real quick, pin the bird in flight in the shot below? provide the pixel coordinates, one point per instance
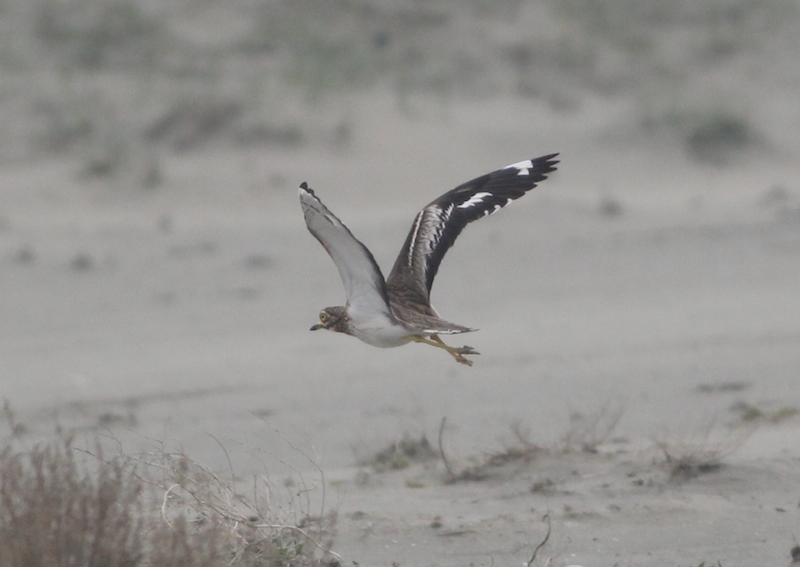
(397, 310)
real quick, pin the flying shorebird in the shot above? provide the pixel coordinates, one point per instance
(395, 311)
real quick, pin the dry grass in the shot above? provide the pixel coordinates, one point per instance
(687, 459)
(521, 452)
(587, 432)
(251, 532)
(750, 413)
(399, 455)
(54, 512)
(65, 507)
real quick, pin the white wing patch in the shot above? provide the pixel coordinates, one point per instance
(524, 167)
(496, 208)
(475, 200)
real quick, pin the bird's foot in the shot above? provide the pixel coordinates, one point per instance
(458, 354)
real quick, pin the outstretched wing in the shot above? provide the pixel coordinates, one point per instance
(437, 226)
(363, 282)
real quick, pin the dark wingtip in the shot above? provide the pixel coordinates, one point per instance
(548, 161)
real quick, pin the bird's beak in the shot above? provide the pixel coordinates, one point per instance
(316, 327)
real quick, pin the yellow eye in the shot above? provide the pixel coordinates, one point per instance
(323, 317)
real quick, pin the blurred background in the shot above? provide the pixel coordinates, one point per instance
(155, 261)
(117, 86)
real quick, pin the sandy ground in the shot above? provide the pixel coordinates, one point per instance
(634, 284)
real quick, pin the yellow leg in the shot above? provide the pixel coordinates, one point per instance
(457, 353)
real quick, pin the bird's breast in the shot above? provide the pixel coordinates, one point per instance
(379, 329)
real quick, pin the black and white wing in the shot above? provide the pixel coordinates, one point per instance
(363, 282)
(437, 226)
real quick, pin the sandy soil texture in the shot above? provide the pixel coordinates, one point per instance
(639, 316)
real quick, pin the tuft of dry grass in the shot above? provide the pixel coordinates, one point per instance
(399, 455)
(522, 452)
(587, 432)
(251, 531)
(689, 459)
(66, 507)
(54, 512)
(750, 413)
(692, 464)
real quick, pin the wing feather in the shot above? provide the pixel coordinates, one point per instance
(364, 284)
(437, 226)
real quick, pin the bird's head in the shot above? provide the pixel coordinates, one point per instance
(333, 319)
